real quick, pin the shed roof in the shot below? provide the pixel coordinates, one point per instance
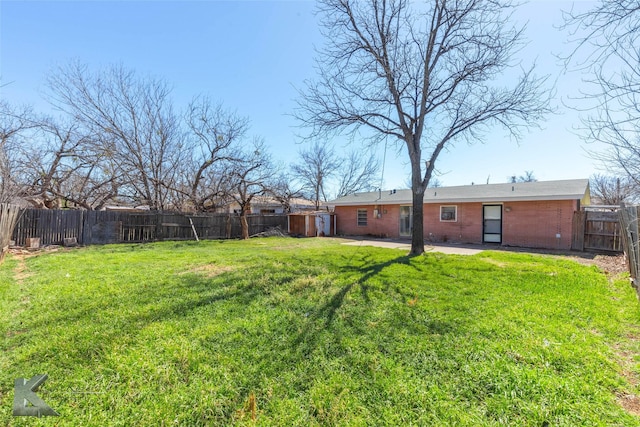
(573, 189)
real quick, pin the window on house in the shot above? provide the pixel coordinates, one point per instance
(267, 211)
(448, 213)
(362, 217)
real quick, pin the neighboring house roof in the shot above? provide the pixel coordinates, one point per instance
(574, 189)
(126, 208)
(268, 202)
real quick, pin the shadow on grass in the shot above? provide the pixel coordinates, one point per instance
(359, 273)
(118, 319)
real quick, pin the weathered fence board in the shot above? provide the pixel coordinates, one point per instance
(577, 233)
(51, 226)
(602, 232)
(101, 227)
(596, 231)
(631, 240)
(9, 215)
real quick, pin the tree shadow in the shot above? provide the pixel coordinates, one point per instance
(176, 299)
(322, 319)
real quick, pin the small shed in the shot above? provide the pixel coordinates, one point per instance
(312, 224)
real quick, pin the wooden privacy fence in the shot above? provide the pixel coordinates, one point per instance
(8, 218)
(596, 231)
(631, 240)
(52, 227)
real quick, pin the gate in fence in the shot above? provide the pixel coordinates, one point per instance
(52, 227)
(597, 229)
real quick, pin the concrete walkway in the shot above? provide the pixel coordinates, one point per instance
(406, 245)
(470, 249)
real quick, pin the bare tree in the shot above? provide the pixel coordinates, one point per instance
(610, 190)
(422, 74)
(318, 164)
(14, 123)
(357, 173)
(67, 168)
(606, 52)
(324, 174)
(48, 163)
(212, 140)
(284, 189)
(527, 177)
(249, 176)
(134, 122)
(435, 183)
(14, 120)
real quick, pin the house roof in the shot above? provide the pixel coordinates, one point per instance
(574, 189)
(272, 201)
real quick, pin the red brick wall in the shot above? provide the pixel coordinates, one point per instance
(526, 224)
(467, 228)
(536, 224)
(387, 224)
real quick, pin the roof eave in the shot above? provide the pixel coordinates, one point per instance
(459, 200)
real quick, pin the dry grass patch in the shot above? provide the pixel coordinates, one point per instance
(630, 402)
(495, 262)
(209, 270)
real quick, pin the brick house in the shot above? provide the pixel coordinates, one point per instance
(530, 214)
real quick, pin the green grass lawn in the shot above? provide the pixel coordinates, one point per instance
(303, 332)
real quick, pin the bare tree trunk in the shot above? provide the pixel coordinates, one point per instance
(244, 225)
(417, 227)
(229, 226)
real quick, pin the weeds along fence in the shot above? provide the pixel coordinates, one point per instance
(52, 227)
(631, 241)
(8, 217)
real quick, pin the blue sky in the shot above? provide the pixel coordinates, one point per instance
(252, 55)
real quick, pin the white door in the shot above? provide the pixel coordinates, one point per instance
(323, 225)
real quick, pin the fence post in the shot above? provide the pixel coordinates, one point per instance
(81, 227)
(158, 219)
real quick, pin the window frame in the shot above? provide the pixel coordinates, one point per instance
(455, 213)
(359, 219)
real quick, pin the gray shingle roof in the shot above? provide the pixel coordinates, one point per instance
(573, 189)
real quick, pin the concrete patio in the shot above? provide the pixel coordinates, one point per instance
(428, 247)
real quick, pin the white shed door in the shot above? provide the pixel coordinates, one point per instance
(323, 225)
